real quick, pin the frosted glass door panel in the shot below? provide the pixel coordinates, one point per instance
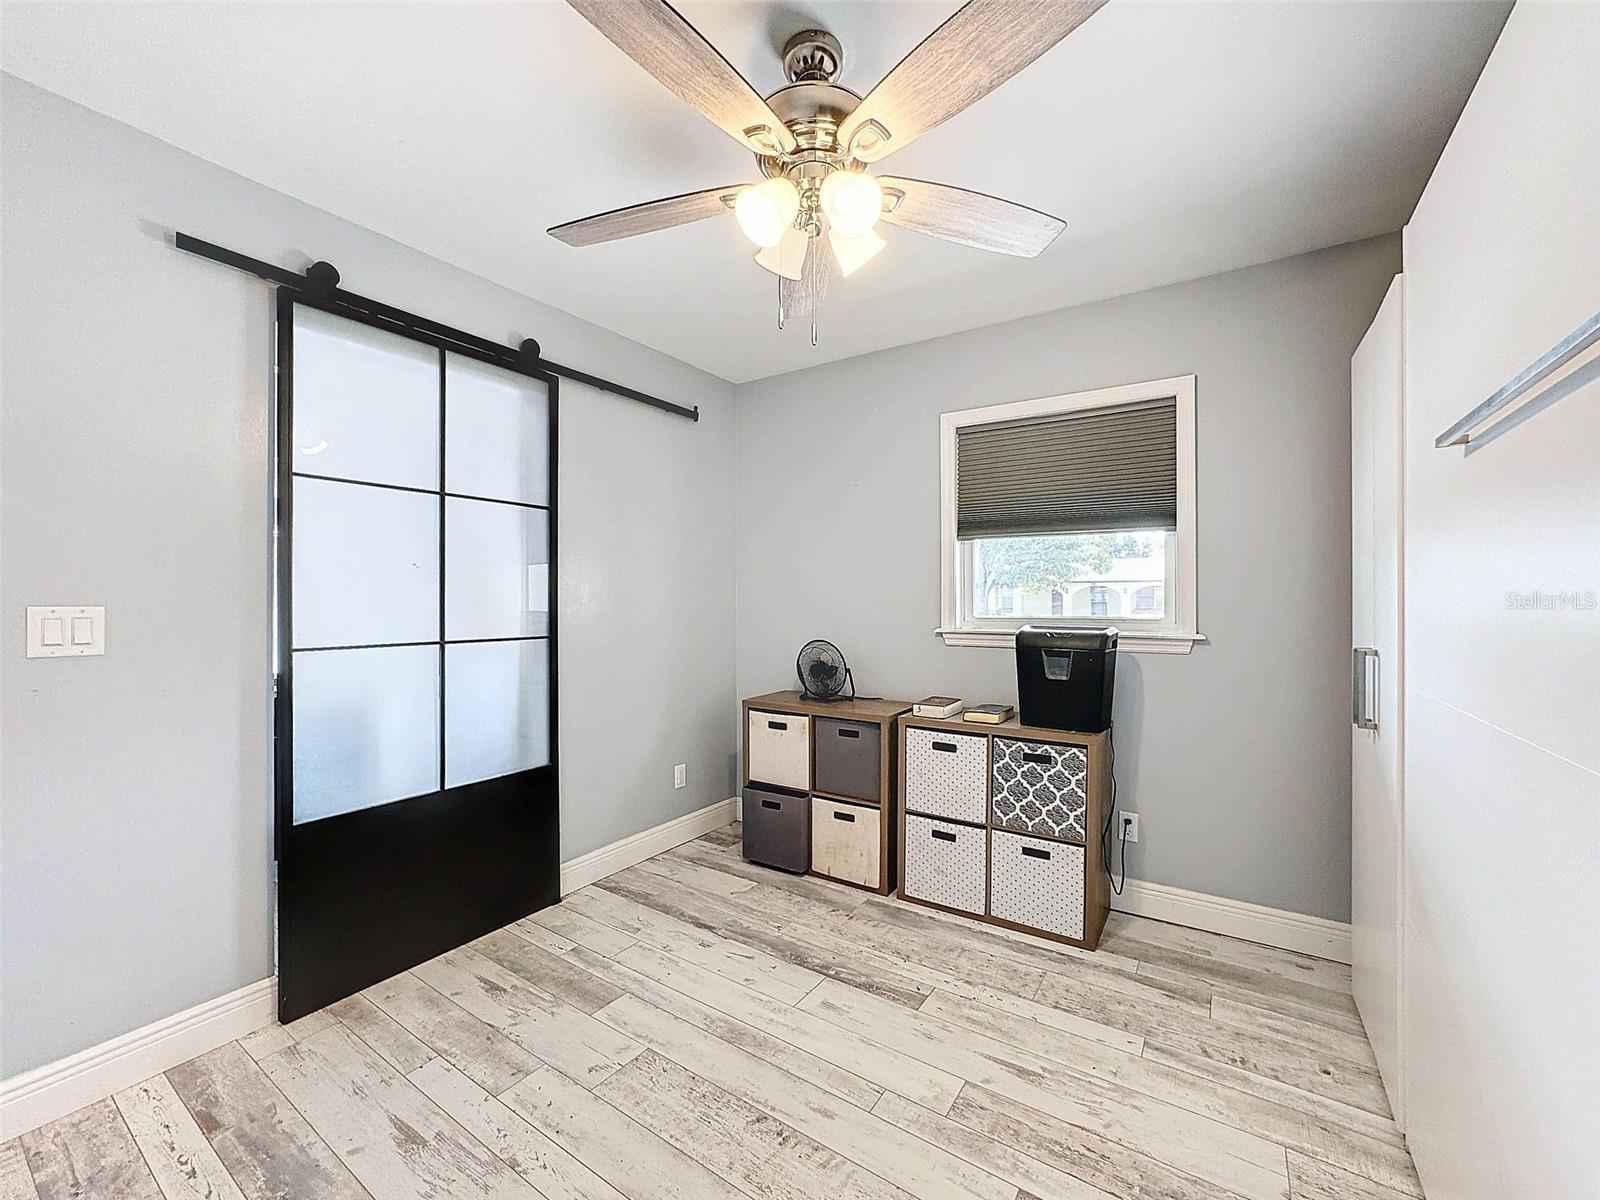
(366, 728)
(496, 570)
(366, 565)
(497, 709)
(496, 438)
(366, 402)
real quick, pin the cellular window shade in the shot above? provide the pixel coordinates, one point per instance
(1090, 472)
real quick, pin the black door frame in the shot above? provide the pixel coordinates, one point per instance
(366, 894)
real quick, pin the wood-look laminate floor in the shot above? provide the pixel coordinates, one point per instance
(698, 1028)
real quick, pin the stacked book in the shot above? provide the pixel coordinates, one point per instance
(989, 714)
(948, 706)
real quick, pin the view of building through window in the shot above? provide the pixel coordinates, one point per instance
(1096, 576)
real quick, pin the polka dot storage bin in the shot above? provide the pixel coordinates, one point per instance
(946, 863)
(1036, 883)
(947, 774)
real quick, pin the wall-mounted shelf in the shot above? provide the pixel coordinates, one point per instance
(1552, 360)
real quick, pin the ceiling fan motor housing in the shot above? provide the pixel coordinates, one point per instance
(812, 56)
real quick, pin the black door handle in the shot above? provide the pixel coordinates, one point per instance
(839, 816)
(944, 835)
(770, 804)
(943, 747)
(1035, 852)
(1038, 757)
(855, 733)
(777, 724)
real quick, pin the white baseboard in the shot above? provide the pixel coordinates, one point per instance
(55, 1089)
(580, 872)
(1278, 927)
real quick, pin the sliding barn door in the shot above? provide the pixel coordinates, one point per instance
(415, 723)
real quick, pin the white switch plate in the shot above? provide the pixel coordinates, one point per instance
(680, 775)
(62, 631)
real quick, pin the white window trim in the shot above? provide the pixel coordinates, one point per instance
(956, 630)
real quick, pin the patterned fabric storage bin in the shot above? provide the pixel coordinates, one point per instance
(947, 774)
(845, 841)
(1041, 787)
(849, 755)
(780, 750)
(946, 863)
(1035, 883)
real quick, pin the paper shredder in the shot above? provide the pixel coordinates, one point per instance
(1065, 677)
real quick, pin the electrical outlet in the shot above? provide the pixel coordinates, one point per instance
(680, 775)
(1130, 827)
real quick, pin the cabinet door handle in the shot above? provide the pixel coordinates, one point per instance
(851, 733)
(943, 747)
(1037, 756)
(839, 816)
(1364, 687)
(777, 724)
(770, 804)
(944, 835)
(1035, 852)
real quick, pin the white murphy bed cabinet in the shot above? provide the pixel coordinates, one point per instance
(1377, 373)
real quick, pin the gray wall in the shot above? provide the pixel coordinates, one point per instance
(135, 851)
(1237, 756)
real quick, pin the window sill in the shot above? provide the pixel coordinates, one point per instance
(1135, 643)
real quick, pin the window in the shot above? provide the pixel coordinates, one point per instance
(1072, 510)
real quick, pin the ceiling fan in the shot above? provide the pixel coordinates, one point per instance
(813, 215)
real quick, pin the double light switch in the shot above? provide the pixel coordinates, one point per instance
(59, 632)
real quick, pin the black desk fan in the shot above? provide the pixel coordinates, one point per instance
(823, 672)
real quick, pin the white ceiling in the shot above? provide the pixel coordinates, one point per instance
(1176, 140)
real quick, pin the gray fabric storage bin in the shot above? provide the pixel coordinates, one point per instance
(777, 828)
(848, 758)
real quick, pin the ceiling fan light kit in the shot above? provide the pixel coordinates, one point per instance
(765, 210)
(813, 137)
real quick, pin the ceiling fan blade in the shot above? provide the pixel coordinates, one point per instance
(971, 218)
(645, 218)
(654, 35)
(984, 44)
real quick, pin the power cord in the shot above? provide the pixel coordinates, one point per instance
(1111, 815)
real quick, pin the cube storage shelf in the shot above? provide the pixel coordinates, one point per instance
(819, 787)
(1002, 823)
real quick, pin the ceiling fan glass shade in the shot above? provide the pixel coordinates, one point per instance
(766, 209)
(853, 253)
(852, 201)
(788, 257)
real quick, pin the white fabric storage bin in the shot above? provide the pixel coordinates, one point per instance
(1036, 883)
(946, 863)
(780, 750)
(947, 774)
(846, 841)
